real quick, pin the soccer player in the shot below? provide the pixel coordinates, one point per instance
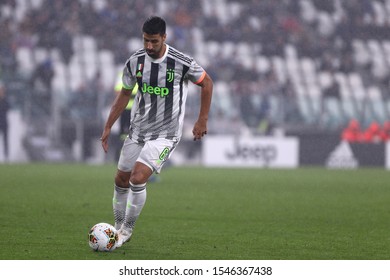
(162, 74)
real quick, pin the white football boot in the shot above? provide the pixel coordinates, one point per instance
(123, 236)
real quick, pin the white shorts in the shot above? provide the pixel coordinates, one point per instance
(152, 153)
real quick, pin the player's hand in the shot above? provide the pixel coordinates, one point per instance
(104, 139)
(199, 130)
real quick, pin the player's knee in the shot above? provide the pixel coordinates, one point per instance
(138, 178)
(140, 174)
(122, 179)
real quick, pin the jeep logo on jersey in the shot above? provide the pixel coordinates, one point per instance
(162, 91)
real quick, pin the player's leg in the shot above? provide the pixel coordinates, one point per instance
(121, 194)
(136, 200)
(128, 156)
(151, 159)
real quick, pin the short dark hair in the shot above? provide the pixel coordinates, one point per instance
(154, 25)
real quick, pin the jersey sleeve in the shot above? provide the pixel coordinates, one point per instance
(128, 79)
(196, 73)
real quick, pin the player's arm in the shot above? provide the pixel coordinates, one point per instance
(200, 127)
(117, 108)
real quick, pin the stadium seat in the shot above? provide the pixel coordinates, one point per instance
(134, 44)
(347, 102)
(356, 83)
(379, 64)
(234, 8)
(308, 70)
(325, 24)
(40, 55)
(325, 79)
(222, 11)
(334, 116)
(25, 59)
(386, 50)
(309, 13)
(106, 57)
(88, 43)
(197, 34)
(228, 49)
(377, 105)
(223, 100)
(380, 13)
(90, 64)
(76, 73)
(304, 104)
(212, 48)
(55, 55)
(279, 66)
(243, 49)
(314, 93)
(59, 81)
(262, 64)
(290, 51)
(108, 69)
(361, 53)
(36, 4)
(293, 70)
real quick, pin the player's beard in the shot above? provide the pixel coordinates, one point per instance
(155, 54)
(152, 53)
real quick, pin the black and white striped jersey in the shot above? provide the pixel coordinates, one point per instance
(159, 106)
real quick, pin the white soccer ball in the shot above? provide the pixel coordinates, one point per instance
(102, 237)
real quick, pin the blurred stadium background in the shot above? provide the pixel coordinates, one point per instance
(289, 68)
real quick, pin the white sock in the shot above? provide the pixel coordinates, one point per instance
(135, 203)
(119, 202)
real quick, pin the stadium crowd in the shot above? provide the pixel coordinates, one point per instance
(307, 64)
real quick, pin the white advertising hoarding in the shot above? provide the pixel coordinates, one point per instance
(230, 151)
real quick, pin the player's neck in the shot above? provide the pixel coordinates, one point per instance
(162, 52)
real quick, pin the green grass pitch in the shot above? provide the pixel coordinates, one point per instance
(197, 213)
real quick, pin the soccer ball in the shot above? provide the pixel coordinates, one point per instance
(102, 237)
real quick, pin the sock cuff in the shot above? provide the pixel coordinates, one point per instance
(137, 188)
(122, 190)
